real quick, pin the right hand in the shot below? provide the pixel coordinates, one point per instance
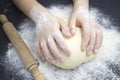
(48, 37)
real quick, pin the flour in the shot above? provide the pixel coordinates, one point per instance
(41, 19)
(104, 67)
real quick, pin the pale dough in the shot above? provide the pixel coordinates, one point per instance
(77, 57)
(74, 44)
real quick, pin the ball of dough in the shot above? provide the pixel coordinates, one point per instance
(77, 57)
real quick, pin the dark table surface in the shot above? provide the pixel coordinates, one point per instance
(109, 7)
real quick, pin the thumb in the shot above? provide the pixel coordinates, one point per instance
(64, 28)
(72, 25)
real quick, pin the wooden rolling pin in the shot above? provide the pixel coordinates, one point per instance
(25, 54)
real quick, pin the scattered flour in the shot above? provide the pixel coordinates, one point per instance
(106, 66)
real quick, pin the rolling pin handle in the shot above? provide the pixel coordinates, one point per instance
(3, 18)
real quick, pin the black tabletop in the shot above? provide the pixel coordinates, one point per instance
(109, 7)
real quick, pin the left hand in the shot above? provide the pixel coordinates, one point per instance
(91, 33)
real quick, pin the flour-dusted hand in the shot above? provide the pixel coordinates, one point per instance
(49, 37)
(91, 32)
(48, 30)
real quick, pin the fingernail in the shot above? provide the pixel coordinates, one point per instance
(95, 50)
(67, 32)
(68, 52)
(61, 59)
(53, 61)
(89, 53)
(73, 30)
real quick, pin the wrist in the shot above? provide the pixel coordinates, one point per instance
(28, 8)
(80, 4)
(38, 13)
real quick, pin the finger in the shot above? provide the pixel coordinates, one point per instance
(72, 24)
(65, 29)
(60, 41)
(38, 48)
(53, 48)
(91, 44)
(101, 35)
(46, 52)
(85, 36)
(99, 39)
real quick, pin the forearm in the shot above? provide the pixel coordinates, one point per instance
(26, 6)
(81, 3)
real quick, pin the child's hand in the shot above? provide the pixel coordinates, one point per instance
(48, 30)
(49, 37)
(91, 33)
